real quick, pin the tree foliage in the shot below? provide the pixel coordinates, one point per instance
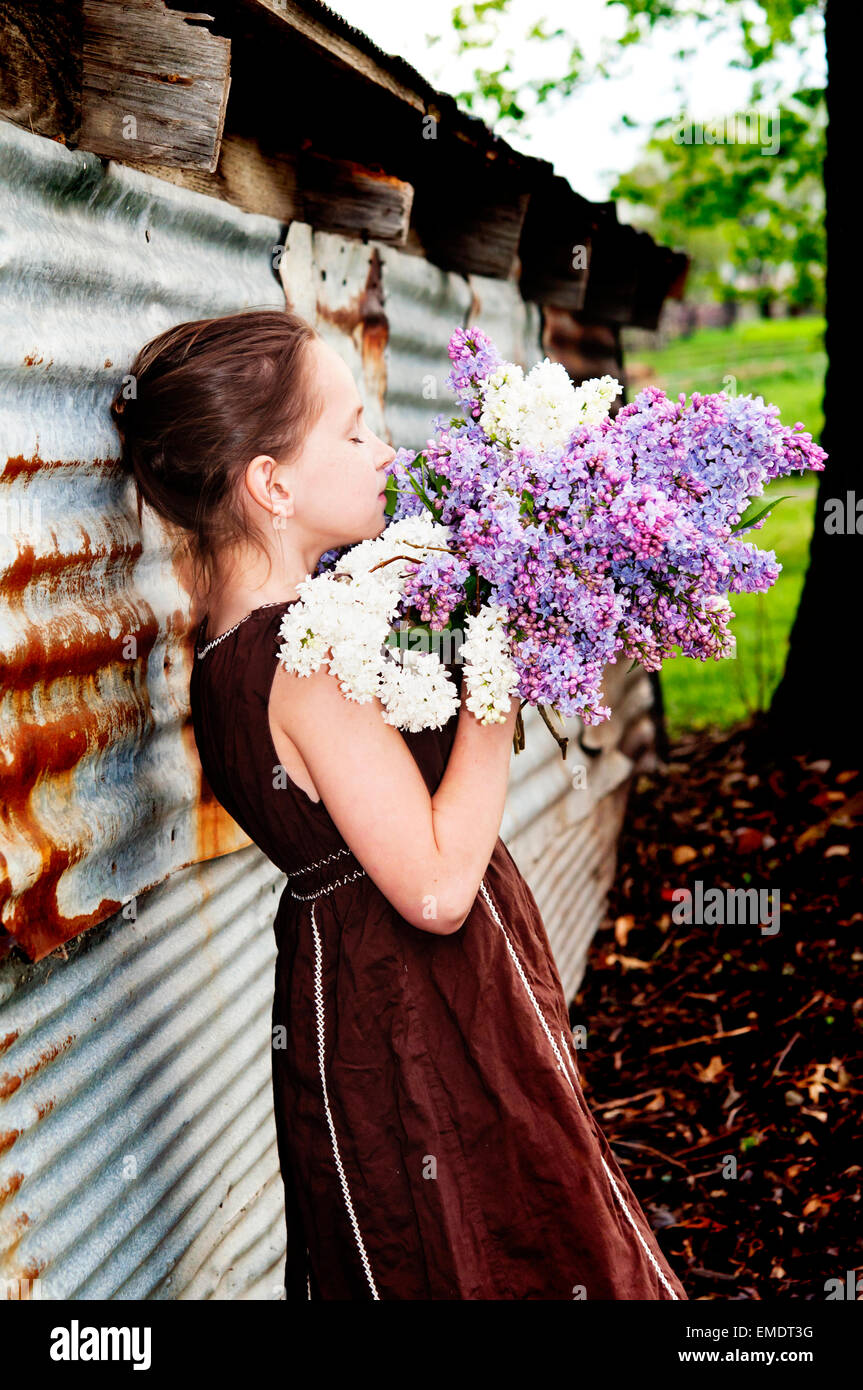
(752, 222)
(507, 99)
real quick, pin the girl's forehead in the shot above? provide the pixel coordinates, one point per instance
(335, 373)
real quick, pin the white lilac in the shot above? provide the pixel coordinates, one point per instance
(345, 616)
(490, 673)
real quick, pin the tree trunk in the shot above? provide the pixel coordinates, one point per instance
(817, 705)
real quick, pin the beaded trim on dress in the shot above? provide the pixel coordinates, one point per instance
(202, 651)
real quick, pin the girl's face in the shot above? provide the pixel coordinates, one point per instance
(335, 486)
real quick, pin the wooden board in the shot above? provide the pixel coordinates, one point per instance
(154, 84)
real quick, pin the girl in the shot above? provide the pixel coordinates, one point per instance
(432, 1133)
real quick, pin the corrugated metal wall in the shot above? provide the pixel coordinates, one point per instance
(136, 1125)
(93, 624)
(137, 1146)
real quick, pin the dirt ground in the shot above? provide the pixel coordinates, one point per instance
(723, 1059)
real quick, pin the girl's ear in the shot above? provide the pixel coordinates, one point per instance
(258, 480)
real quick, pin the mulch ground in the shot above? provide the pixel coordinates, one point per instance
(721, 1062)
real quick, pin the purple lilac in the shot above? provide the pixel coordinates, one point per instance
(611, 545)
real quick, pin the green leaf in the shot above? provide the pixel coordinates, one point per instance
(745, 524)
(526, 508)
(421, 493)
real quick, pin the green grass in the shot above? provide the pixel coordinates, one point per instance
(782, 360)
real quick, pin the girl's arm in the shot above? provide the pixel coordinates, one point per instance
(426, 854)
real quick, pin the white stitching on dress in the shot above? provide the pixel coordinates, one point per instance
(610, 1175)
(567, 1054)
(307, 868)
(307, 897)
(319, 1009)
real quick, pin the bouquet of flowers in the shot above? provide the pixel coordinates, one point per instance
(549, 539)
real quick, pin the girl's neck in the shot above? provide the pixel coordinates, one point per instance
(247, 582)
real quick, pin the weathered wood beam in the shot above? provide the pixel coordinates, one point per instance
(470, 190)
(615, 269)
(303, 186)
(342, 196)
(336, 46)
(556, 244)
(154, 84)
(663, 277)
(470, 203)
(40, 72)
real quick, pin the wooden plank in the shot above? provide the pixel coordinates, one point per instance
(245, 177)
(343, 196)
(556, 246)
(40, 74)
(154, 86)
(477, 239)
(337, 46)
(586, 349)
(615, 267)
(663, 272)
(332, 195)
(470, 205)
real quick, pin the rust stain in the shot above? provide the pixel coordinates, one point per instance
(71, 694)
(10, 1187)
(66, 665)
(9, 1084)
(16, 465)
(347, 318)
(6, 1043)
(376, 331)
(25, 1278)
(7, 1139)
(364, 320)
(17, 1230)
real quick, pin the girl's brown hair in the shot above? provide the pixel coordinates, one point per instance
(205, 397)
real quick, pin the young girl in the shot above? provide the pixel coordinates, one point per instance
(432, 1133)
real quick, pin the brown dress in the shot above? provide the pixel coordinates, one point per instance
(433, 1137)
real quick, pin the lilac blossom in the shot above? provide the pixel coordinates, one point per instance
(624, 541)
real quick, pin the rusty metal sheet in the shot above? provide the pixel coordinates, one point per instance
(100, 784)
(137, 1141)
